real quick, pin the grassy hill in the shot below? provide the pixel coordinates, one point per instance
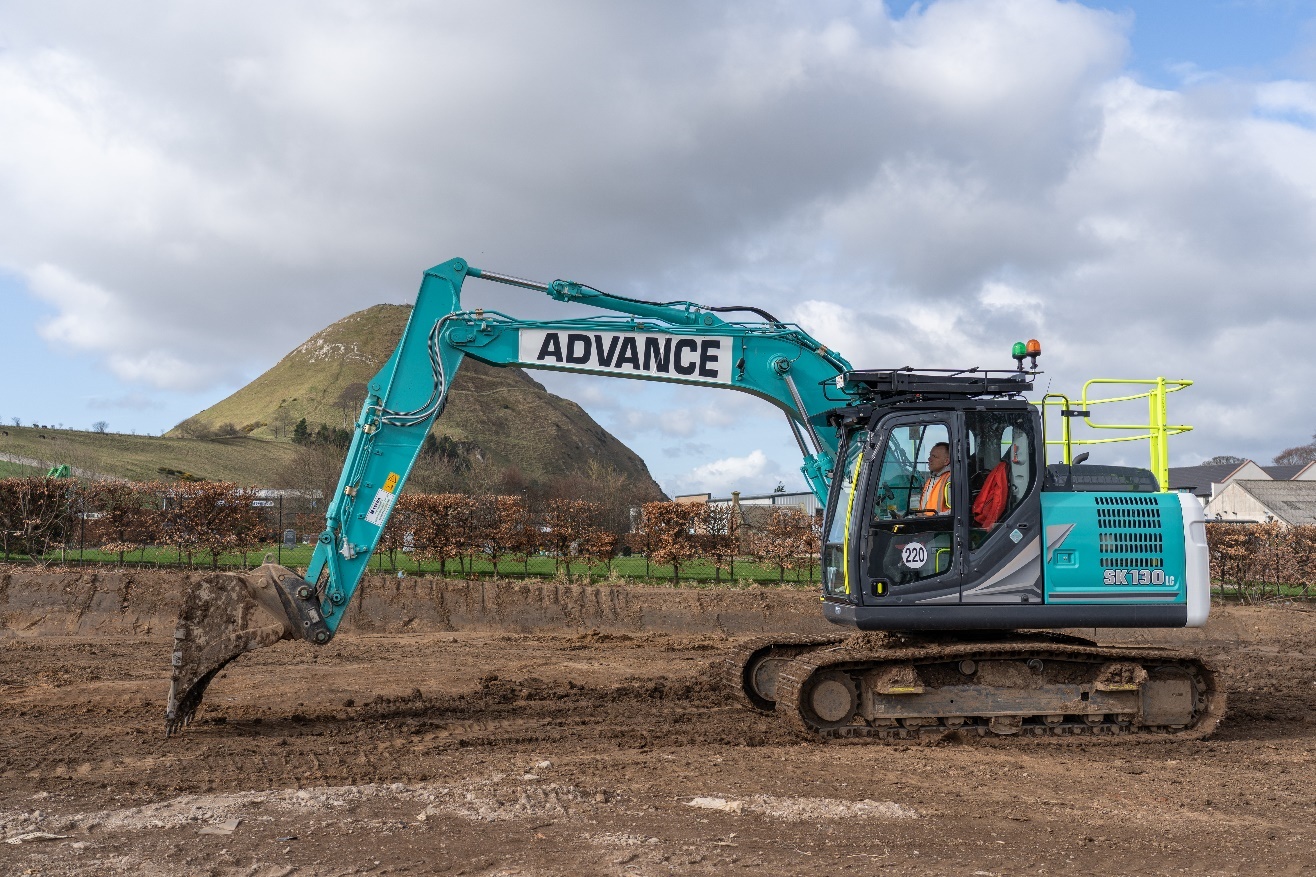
(248, 461)
(499, 414)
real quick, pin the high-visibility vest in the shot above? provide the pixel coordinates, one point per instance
(935, 498)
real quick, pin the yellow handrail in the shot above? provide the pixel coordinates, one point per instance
(1156, 431)
(1064, 441)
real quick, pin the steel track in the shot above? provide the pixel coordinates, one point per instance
(796, 678)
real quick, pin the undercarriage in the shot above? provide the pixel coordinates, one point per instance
(901, 687)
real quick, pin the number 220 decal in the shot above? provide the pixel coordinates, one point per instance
(914, 555)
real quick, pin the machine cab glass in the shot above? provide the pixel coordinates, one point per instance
(911, 505)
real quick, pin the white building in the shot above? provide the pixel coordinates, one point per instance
(1292, 503)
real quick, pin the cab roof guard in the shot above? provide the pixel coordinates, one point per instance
(889, 383)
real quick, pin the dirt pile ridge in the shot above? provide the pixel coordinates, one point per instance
(91, 601)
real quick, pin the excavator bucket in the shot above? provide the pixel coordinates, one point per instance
(224, 615)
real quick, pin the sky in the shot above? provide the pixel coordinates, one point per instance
(188, 191)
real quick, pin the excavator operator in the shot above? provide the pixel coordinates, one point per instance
(935, 498)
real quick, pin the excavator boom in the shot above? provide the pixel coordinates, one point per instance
(674, 342)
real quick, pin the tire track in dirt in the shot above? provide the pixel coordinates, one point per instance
(468, 686)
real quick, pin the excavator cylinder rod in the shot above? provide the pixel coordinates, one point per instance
(509, 280)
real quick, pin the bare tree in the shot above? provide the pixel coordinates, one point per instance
(442, 525)
(400, 531)
(1297, 456)
(718, 527)
(194, 428)
(349, 402)
(313, 467)
(784, 540)
(128, 519)
(213, 516)
(33, 514)
(566, 521)
(99, 427)
(281, 422)
(482, 476)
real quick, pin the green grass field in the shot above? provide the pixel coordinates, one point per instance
(18, 470)
(633, 570)
(627, 568)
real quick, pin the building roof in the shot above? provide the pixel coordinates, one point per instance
(1283, 473)
(782, 498)
(1299, 471)
(1293, 502)
(1198, 479)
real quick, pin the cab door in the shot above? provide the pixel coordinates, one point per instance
(1004, 466)
(911, 533)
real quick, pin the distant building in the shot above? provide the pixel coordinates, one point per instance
(292, 499)
(805, 501)
(275, 492)
(754, 511)
(1207, 482)
(1292, 503)
(1300, 472)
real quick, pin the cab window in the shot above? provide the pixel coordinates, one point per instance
(839, 510)
(911, 534)
(904, 479)
(1002, 468)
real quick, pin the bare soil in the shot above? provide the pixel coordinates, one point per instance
(520, 729)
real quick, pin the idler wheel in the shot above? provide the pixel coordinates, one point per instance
(833, 698)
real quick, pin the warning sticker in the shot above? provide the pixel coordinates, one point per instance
(380, 508)
(392, 482)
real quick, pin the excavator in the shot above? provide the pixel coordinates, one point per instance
(956, 604)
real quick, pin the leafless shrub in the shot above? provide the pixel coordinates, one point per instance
(1253, 559)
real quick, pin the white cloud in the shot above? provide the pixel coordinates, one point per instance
(128, 401)
(748, 474)
(197, 193)
(90, 318)
(1287, 97)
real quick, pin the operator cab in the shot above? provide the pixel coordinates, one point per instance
(1010, 543)
(905, 546)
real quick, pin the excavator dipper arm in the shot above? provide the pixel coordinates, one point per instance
(675, 342)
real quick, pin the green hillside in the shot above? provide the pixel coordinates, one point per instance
(248, 461)
(499, 415)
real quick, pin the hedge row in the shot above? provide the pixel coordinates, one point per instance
(40, 516)
(1256, 559)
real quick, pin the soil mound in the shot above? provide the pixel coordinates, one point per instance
(73, 601)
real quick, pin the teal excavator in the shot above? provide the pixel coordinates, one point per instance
(956, 603)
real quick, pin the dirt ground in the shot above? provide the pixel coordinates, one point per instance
(497, 729)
